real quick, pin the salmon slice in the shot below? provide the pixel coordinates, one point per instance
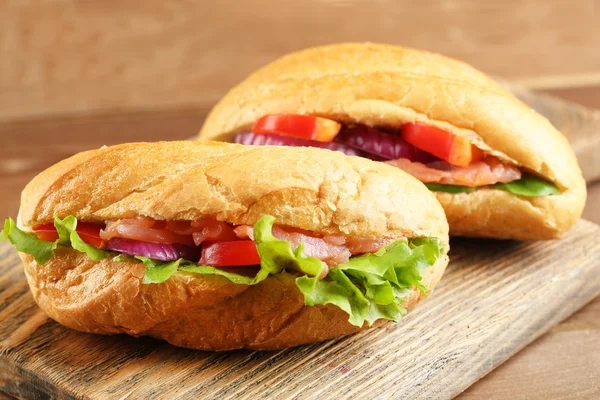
(486, 172)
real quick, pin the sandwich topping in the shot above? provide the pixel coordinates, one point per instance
(443, 161)
(367, 278)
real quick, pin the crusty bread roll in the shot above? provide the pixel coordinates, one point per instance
(386, 86)
(316, 190)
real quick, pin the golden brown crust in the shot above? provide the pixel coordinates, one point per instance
(316, 190)
(199, 312)
(385, 86)
(494, 213)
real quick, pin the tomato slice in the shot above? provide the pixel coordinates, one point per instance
(456, 150)
(230, 254)
(46, 232)
(89, 233)
(301, 126)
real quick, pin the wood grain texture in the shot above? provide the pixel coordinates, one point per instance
(72, 56)
(567, 354)
(495, 298)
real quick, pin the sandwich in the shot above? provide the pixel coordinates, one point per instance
(499, 169)
(222, 246)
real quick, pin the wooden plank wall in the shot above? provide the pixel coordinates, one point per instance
(62, 57)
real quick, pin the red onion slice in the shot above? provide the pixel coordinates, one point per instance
(264, 139)
(156, 251)
(387, 146)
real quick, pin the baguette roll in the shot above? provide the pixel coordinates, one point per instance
(319, 191)
(385, 87)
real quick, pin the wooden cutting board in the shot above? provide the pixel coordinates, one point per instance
(496, 297)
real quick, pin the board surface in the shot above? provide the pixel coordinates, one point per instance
(496, 297)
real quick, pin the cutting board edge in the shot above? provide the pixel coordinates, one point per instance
(536, 334)
(38, 385)
(522, 345)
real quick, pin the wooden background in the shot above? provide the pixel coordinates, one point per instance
(78, 74)
(64, 57)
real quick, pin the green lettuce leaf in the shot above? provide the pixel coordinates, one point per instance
(123, 258)
(371, 286)
(158, 271)
(27, 242)
(528, 186)
(439, 187)
(276, 254)
(233, 277)
(64, 229)
(68, 235)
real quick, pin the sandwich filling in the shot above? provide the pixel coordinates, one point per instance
(367, 278)
(443, 161)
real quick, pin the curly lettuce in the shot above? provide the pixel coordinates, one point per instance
(40, 250)
(27, 242)
(373, 286)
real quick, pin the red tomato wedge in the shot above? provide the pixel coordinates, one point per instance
(454, 149)
(46, 232)
(301, 126)
(89, 233)
(230, 254)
